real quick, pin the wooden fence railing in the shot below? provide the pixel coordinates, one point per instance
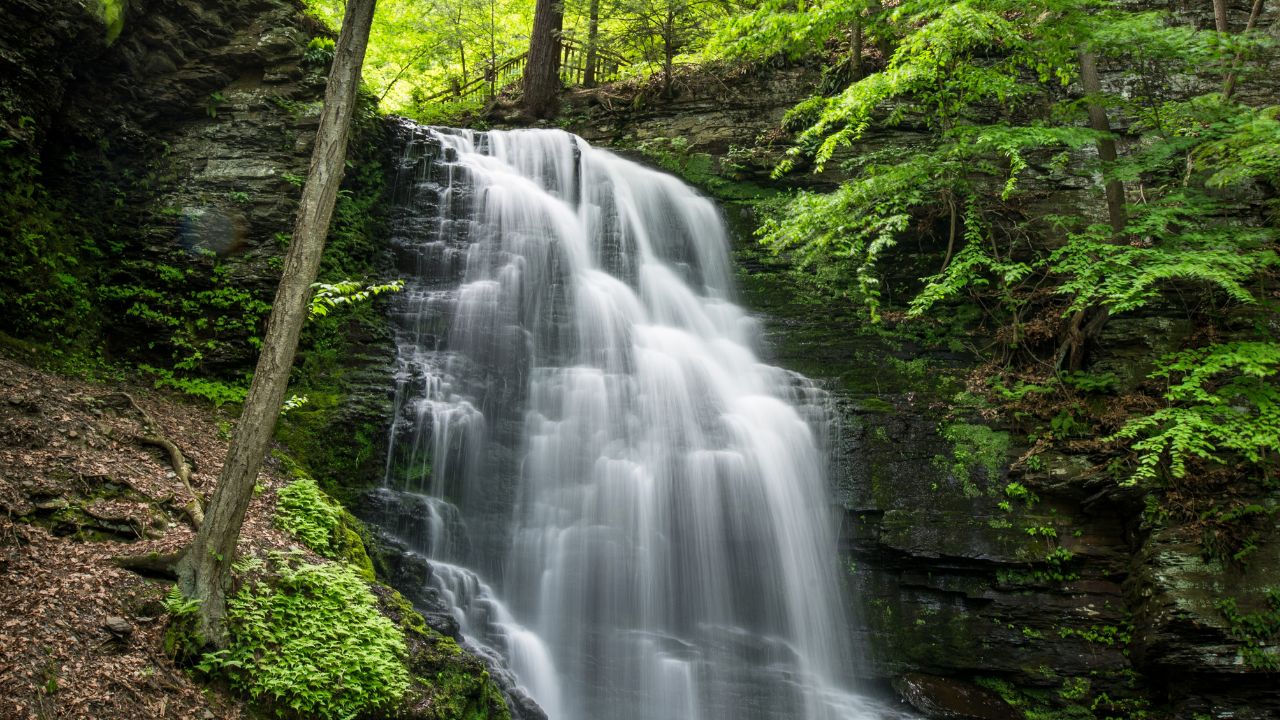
(573, 71)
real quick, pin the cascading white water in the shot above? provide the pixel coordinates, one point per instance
(579, 398)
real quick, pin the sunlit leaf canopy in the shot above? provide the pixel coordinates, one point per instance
(419, 48)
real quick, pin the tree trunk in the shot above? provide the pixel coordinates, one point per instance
(1106, 145)
(593, 35)
(542, 69)
(1220, 15)
(855, 49)
(1081, 328)
(1229, 85)
(203, 571)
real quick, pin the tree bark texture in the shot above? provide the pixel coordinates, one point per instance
(203, 572)
(593, 37)
(1092, 84)
(542, 69)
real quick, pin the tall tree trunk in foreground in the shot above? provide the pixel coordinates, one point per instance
(1220, 16)
(203, 570)
(1106, 144)
(542, 69)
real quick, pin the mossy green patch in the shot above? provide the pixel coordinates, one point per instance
(306, 512)
(307, 641)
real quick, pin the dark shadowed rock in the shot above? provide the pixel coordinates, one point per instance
(948, 699)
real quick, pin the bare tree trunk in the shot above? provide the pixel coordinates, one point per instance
(1106, 144)
(542, 69)
(593, 36)
(855, 48)
(1081, 328)
(203, 570)
(1220, 16)
(1229, 85)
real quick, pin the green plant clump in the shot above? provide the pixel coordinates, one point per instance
(1224, 403)
(307, 513)
(308, 641)
(1258, 631)
(974, 447)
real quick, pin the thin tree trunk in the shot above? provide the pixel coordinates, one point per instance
(1106, 144)
(1229, 85)
(593, 35)
(203, 570)
(1220, 16)
(1080, 329)
(855, 48)
(542, 69)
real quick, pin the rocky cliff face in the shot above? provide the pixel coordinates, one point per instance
(989, 585)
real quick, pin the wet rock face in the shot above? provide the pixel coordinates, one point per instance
(184, 129)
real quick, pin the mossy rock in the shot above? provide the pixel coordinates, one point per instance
(447, 682)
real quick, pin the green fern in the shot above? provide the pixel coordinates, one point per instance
(1224, 401)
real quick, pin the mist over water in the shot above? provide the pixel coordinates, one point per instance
(621, 504)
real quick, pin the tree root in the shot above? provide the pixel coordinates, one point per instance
(153, 564)
(193, 508)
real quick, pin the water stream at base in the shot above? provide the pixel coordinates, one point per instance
(622, 506)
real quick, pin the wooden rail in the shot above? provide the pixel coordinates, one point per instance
(573, 72)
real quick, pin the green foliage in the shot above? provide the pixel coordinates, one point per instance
(191, 312)
(330, 295)
(215, 391)
(1257, 631)
(182, 640)
(319, 51)
(955, 64)
(47, 254)
(306, 512)
(974, 447)
(308, 641)
(1224, 405)
(112, 13)
(780, 27)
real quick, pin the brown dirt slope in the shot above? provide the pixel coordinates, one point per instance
(80, 637)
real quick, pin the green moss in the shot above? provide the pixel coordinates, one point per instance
(974, 448)
(112, 13)
(460, 690)
(447, 680)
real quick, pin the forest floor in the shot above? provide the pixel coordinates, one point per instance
(79, 636)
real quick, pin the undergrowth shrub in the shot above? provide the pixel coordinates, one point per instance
(321, 523)
(308, 641)
(304, 511)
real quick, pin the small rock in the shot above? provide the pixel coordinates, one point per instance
(118, 626)
(53, 504)
(73, 434)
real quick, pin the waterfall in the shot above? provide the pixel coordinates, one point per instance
(623, 507)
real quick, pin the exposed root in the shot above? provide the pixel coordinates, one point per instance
(152, 564)
(150, 436)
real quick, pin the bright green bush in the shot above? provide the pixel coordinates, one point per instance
(308, 641)
(1223, 402)
(303, 510)
(320, 522)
